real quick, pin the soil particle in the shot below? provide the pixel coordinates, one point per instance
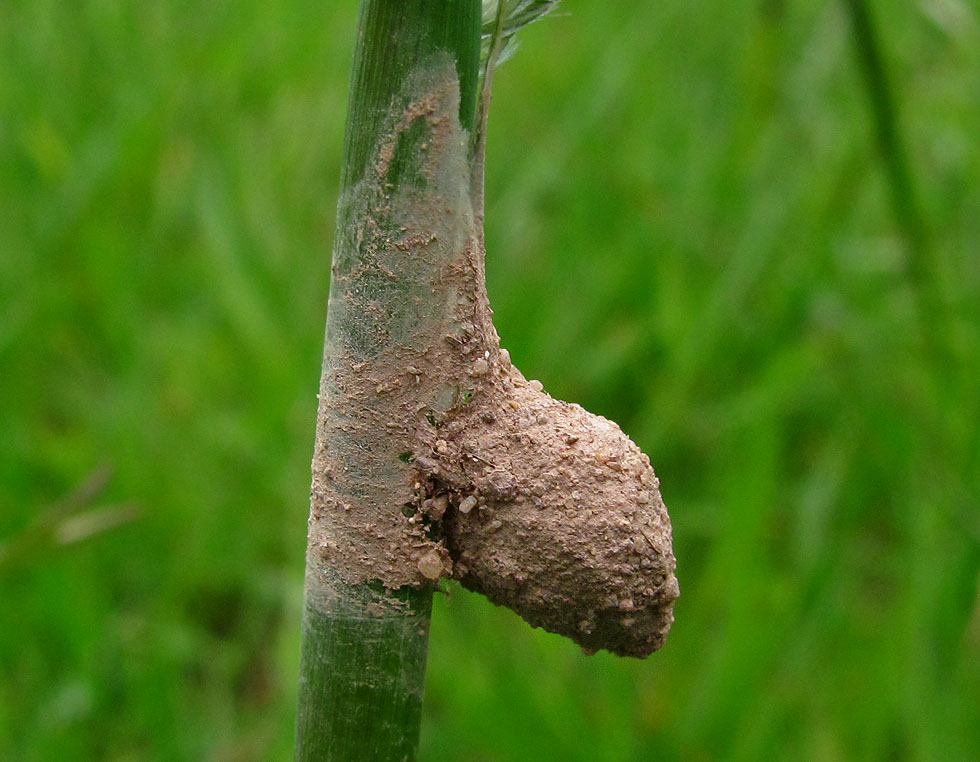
(435, 508)
(430, 564)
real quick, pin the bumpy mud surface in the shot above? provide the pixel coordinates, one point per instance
(435, 456)
(565, 522)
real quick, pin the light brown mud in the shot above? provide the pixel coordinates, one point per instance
(435, 456)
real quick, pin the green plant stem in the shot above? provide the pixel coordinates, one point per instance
(482, 112)
(924, 267)
(885, 115)
(365, 640)
(362, 673)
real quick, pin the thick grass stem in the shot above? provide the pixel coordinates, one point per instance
(404, 213)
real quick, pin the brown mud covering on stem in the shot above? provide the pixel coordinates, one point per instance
(403, 261)
(434, 455)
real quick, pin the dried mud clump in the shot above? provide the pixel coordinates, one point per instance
(558, 515)
(434, 455)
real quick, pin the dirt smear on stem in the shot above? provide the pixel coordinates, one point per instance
(434, 455)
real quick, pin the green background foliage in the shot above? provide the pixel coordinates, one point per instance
(691, 230)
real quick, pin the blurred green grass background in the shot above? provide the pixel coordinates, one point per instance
(691, 230)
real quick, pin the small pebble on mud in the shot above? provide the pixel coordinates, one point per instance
(435, 507)
(430, 565)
